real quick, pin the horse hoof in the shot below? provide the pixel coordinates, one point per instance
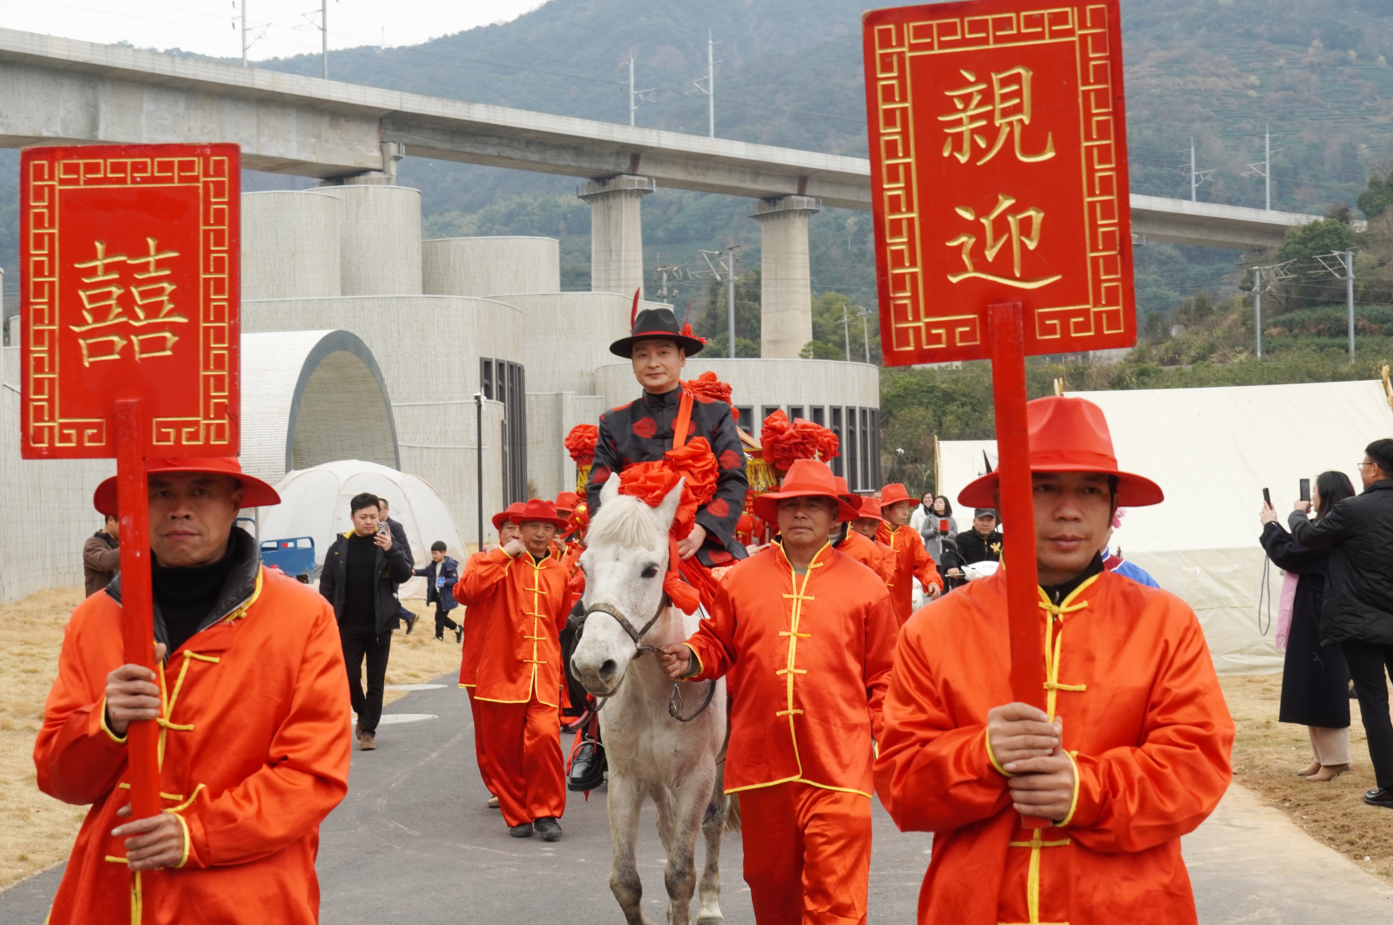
(717, 919)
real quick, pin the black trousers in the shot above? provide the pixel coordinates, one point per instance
(1367, 664)
(442, 622)
(359, 642)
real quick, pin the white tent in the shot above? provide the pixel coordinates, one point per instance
(1213, 451)
(314, 502)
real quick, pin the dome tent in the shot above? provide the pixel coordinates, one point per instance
(314, 502)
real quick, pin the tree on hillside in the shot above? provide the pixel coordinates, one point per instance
(1311, 283)
(1378, 197)
(713, 323)
(831, 334)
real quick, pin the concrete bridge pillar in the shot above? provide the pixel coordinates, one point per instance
(616, 232)
(786, 289)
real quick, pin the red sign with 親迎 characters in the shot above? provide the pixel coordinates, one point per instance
(129, 258)
(999, 173)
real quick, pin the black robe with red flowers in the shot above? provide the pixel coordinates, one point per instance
(641, 431)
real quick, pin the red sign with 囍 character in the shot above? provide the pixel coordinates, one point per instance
(130, 282)
(999, 172)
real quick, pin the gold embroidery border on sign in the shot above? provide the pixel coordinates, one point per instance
(913, 328)
(46, 425)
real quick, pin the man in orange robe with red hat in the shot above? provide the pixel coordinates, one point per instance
(1131, 752)
(912, 560)
(858, 540)
(473, 641)
(254, 724)
(806, 634)
(518, 592)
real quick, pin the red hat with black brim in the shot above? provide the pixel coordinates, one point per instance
(806, 478)
(536, 510)
(1069, 435)
(504, 514)
(655, 324)
(255, 493)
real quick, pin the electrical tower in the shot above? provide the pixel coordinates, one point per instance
(1197, 176)
(1340, 264)
(723, 269)
(1276, 273)
(1265, 170)
(638, 97)
(710, 84)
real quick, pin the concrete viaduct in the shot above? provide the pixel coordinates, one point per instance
(60, 91)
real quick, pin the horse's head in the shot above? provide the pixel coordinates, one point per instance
(625, 559)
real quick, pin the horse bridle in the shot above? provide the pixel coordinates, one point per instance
(674, 700)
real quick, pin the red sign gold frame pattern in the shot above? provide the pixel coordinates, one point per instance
(979, 114)
(130, 290)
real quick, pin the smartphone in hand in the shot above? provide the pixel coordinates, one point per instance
(1305, 489)
(1267, 497)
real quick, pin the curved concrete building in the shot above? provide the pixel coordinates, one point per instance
(379, 239)
(311, 397)
(290, 245)
(489, 266)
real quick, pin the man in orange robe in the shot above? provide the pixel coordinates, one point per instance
(912, 560)
(1131, 753)
(859, 541)
(806, 633)
(254, 724)
(473, 640)
(519, 594)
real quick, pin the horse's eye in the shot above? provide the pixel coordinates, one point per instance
(650, 572)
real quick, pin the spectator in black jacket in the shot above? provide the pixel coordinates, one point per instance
(1357, 610)
(983, 542)
(384, 515)
(441, 576)
(361, 572)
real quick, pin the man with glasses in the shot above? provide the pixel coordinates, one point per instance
(1357, 611)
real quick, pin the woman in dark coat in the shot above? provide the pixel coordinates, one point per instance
(1315, 678)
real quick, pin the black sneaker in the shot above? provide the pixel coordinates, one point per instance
(522, 831)
(548, 828)
(459, 635)
(1381, 797)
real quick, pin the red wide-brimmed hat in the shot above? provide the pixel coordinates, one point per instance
(538, 509)
(255, 493)
(1069, 435)
(504, 514)
(847, 495)
(566, 502)
(894, 493)
(806, 478)
(870, 509)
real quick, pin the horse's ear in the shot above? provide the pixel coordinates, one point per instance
(668, 509)
(609, 490)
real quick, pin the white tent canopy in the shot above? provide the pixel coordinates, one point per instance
(314, 502)
(1213, 451)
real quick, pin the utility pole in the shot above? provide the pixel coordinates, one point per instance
(1257, 309)
(730, 294)
(1349, 298)
(479, 462)
(244, 33)
(1265, 170)
(865, 330)
(637, 97)
(1197, 176)
(846, 332)
(324, 28)
(707, 84)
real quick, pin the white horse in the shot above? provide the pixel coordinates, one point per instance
(650, 752)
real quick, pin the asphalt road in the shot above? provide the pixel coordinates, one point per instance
(415, 843)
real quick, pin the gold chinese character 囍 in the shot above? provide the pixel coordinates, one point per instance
(1013, 231)
(1009, 110)
(151, 303)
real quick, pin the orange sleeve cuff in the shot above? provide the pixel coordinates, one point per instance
(101, 720)
(991, 757)
(1078, 785)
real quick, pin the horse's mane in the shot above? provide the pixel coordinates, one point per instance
(624, 521)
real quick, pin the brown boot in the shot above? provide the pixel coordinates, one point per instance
(1327, 773)
(365, 742)
(1308, 771)
(358, 732)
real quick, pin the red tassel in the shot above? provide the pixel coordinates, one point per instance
(682, 595)
(633, 312)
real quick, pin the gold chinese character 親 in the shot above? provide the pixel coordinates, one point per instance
(997, 237)
(1009, 111)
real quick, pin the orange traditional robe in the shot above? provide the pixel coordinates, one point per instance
(472, 641)
(255, 751)
(874, 555)
(1145, 724)
(912, 560)
(522, 606)
(811, 656)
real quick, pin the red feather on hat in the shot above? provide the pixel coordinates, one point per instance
(633, 312)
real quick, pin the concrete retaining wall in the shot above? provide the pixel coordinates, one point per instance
(485, 266)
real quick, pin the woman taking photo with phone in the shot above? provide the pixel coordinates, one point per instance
(1315, 678)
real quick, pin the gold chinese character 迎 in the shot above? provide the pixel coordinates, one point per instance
(996, 240)
(1010, 110)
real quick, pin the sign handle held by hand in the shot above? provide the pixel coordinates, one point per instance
(137, 613)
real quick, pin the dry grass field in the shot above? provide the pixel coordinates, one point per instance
(1266, 756)
(37, 831)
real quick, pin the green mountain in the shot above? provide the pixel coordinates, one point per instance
(791, 74)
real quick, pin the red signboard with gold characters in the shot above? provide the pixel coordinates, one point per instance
(129, 260)
(999, 172)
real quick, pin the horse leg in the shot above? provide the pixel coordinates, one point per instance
(713, 826)
(691, 795)
(625, 800)
(663, 803)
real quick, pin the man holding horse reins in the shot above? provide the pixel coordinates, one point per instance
(806, 635)
(1073, 813)
(519, 594)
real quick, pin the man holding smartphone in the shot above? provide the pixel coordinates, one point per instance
(361, 571)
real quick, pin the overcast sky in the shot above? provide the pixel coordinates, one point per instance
(276, 28)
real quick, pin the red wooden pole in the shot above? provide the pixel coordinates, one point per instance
(137, 613)
(1007, 334)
